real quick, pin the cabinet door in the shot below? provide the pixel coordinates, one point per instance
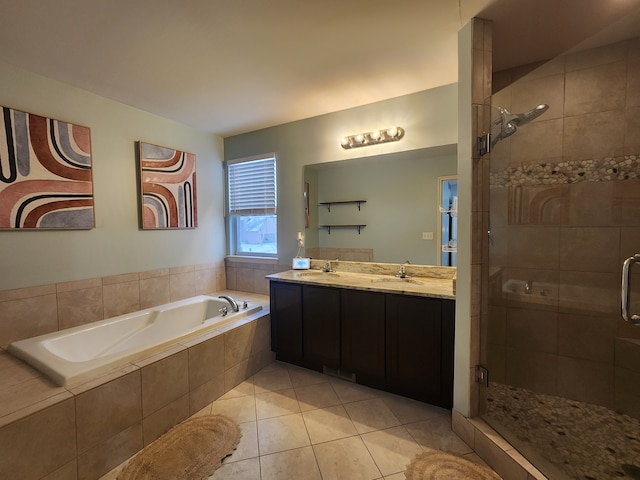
(286, 321)
(321, 326)
(414, 347)
(363, 335)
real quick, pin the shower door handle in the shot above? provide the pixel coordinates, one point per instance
(626, 272)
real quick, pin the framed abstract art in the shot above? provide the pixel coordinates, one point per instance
(167, 187)
(45, 173)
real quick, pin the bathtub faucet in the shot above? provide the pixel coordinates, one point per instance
(232, 302)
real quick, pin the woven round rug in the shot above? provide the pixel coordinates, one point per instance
(437, 465)
(192, 450)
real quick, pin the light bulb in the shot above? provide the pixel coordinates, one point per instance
(345, 141)
(360, 138)
(393, 131)
(375, 135)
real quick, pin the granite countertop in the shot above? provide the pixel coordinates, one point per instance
(424, 286)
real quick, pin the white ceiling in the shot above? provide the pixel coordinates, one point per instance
(233, 66)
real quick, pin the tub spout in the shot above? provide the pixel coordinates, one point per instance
(232, 302)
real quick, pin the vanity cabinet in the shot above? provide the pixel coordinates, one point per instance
(398, 343)
(320, 326)
(286, 321)
(420, 347)
(363, 335)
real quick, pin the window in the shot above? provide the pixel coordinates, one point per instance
(251, 187)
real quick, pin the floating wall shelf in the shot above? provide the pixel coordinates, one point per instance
(328, 204)
(329, 227)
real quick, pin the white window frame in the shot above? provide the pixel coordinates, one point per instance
(243, 208)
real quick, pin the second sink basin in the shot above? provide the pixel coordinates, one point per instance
(397, 281)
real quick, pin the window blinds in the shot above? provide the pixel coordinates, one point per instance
(252, 186)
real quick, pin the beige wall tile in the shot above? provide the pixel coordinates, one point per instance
(532, 370)
(206, 361)
(587, 337)
(161, 272)
(121, 298)
(629, 192)
(627, 391)
(162, 420)
(104, 457)
(532, 330)
(237, 344)
(594, 204)
(164, 382)
(534, 247)
(236, 375)
(78, 307)
(593, 135)
(107, 410)
(27, 292)
(155, 291)
(206, 281)
(66, 472)
(182, 284)
(27, 317)
(49, 432)
(596, 56)
(587, 381)
(589, 293)
(631, 131)
(78, 285)
(539, 142)
(596, 89)
(182, 269)
(206, 393)
(245, 280)
(594, 249)
(122, 278)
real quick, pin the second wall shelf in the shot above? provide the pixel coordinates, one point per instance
(329, 227)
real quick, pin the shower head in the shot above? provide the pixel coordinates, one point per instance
(507, 123)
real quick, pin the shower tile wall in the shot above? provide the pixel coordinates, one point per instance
(565, 213)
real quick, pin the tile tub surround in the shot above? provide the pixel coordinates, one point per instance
(32, 311)
(85, 430)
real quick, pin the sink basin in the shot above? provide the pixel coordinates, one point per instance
(397, 281)
(317, 273)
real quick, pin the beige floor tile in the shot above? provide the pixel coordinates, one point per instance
(245, 388)
(392, 449)
(301, 376)
(352, 392)
(370, 415)
(436, 433)
(292, 464)
(240, 409)
(243, 470)
(319, 395)
(408, 410)
(282, 433)
(248, 446)
(272, 379)
(395, 476)
(273, 404)
(346, 459)
(328, 424)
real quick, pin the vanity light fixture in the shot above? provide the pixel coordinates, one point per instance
(392, 134)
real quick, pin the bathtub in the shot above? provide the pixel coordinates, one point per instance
(81, 353)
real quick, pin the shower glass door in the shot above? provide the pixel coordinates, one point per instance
(564, 368)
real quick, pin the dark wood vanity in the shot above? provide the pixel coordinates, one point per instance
(393, 341)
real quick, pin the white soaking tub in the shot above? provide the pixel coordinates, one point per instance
(84, 352)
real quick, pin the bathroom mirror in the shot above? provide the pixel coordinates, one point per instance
(382, 208)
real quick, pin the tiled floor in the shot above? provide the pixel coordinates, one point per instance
(300, 424)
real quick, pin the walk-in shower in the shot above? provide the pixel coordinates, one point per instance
(564, 211)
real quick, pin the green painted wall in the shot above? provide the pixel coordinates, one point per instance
(429, 119)
(115, 245)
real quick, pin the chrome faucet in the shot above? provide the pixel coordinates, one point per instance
(232, 302)
(528, 286)
(327, 266)
(402, 273)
